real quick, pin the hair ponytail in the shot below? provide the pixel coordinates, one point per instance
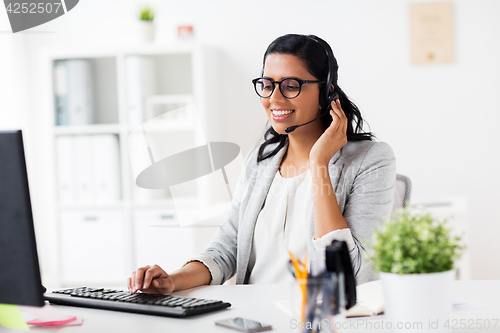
(354, 120)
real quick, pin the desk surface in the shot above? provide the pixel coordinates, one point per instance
(258, 302)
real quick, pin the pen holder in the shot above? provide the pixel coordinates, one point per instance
(321, 300)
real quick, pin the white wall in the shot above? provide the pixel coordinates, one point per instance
(13, 85)
(439, 119)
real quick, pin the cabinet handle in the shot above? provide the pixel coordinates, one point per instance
(167, 217)
(90, 218)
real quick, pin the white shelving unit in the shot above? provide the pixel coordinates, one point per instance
(101, 241)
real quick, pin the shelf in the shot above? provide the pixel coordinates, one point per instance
(91, 206)
(164, 204)
(88, 129)
(164, 126)
(146, 49)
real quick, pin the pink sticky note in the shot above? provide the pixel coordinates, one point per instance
(49, 316)
(77, 322)
(51, 323)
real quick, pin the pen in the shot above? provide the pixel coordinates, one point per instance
(291, 267)
(300, 268)
(300, 273)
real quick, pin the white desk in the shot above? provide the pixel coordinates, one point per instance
(257, 302)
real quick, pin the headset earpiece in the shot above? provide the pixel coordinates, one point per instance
(330, 93)
(334, 96)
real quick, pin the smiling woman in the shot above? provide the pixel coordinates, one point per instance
(317, 178)
(293, 95)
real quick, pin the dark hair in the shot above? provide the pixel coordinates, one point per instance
(313, 50)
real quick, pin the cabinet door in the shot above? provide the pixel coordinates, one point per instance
(160, 240)
(92, 247)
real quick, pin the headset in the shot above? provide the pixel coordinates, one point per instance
(330, 93)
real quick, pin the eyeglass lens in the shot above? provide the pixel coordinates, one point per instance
(290, 88)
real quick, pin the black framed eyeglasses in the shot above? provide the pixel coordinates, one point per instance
(290, 87)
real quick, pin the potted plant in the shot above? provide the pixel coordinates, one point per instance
(415, 255)
(147, 26)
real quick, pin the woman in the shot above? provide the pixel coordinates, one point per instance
(316, 178)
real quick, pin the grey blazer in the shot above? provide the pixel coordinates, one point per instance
(363, 174)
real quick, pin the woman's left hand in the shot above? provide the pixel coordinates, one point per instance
(332, 139)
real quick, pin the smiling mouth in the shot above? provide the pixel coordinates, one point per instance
(280, 113)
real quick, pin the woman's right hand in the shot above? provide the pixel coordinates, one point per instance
(151, 279)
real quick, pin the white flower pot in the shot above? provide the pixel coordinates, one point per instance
(147, 31)
(418, 302)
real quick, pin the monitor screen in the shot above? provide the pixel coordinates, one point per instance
(20, 281)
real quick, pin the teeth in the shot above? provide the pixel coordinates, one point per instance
(282, 113)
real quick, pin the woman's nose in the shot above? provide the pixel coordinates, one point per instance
(277, 96)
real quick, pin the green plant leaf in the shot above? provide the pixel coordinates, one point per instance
(146, 14)
(415, 243)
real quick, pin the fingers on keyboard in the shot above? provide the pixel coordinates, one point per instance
(153, 273)
(129, 284)
(132, 282)
(138, 278)
(164, 285)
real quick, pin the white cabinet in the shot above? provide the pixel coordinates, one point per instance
(92, 245)
(160, 240)
(107, 225)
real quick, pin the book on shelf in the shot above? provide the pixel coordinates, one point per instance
(83, 169)
(65, 169)
(73, 92)
(61, 92)
(105, 168)
(88, 169)
(140, 83)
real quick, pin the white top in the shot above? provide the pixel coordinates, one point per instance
(282, 226)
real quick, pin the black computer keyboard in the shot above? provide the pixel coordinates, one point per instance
(118, 300)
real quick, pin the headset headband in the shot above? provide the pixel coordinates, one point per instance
(329, 90)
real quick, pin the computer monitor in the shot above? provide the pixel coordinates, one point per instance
(20, 281)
